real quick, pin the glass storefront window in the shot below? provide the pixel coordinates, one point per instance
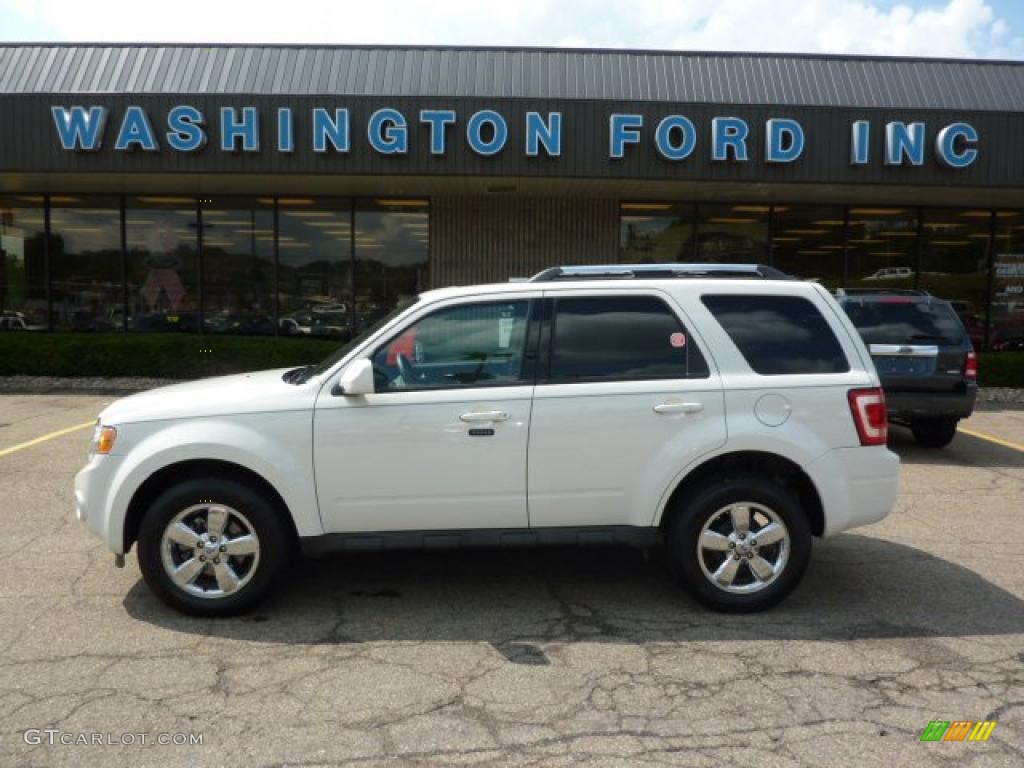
(85, 264)
(238, 266)
(315, 266)
(882, 248)
(162, 264)
(732, 233)
(392, 248)
(954, 263)
(22, 263)
(1006, 332)
(807, 242)
(655, 233)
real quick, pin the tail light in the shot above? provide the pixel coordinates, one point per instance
(971, 366)
(869, 415)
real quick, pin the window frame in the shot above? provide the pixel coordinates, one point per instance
(549, 314)
(528, 366)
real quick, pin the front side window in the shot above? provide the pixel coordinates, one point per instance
(621, 338)
(779, 334)
(469, 345)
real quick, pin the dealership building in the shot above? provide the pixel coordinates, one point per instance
(307, 190)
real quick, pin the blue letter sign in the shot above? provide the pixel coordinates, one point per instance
(948, 141)
(687, 137)
(729, 133)
(247, 129)
(475, 132)
(135, 131)
(549, 134)
(186, 124)
(388, 132)
(623, 130)
(438, 120)
(904, 141)
(783, 140)
(326, 129)
(79, 129)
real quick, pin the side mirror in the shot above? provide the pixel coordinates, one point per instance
(356, 379)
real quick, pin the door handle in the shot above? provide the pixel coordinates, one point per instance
(679, 408)
(477, 416)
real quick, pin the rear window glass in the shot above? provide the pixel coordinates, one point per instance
(902, 321)
(779, 334)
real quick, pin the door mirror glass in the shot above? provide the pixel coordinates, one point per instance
(356, 379)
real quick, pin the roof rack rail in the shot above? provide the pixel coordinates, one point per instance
(656, 271)
(879, 291)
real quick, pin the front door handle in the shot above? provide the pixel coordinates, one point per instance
(679, 408)
(477, 416)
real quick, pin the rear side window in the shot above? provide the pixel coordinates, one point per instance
(779, 334)
(621, 338)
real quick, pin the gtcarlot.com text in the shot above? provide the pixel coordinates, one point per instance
(56, 737)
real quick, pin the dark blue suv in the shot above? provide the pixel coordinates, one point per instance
(924, 357)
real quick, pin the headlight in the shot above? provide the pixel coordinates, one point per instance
(103, 439)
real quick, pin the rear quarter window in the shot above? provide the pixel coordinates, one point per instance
(778, 335)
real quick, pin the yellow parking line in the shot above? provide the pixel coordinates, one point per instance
(44, 438)
(989, 438)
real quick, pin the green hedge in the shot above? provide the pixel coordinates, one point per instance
(184, 356)
(169, 355)
(1001, 369)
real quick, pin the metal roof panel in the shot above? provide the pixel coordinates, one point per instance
(437, 71)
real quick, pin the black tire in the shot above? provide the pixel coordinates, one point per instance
(934, 433)
(705, 503)
(264, 518)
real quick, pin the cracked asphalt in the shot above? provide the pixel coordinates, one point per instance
(523, 658)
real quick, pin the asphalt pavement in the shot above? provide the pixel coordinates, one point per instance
(525, 658)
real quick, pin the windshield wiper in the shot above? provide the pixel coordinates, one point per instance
(297, 375)
(929, 337)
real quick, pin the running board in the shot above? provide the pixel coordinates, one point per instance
(385, 541)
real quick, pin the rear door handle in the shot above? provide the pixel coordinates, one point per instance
(477, 416)
(679, 408)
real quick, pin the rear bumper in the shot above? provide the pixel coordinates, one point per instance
(909, 405)
(858, 486)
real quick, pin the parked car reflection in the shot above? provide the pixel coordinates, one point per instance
(15, 321)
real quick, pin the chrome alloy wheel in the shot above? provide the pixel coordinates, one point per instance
(210, 550)
(743, 547)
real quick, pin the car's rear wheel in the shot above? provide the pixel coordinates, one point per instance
(740, 544)
(211, 546)
(934, 433)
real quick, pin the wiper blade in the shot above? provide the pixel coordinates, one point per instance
(929, 337)
(297, 375)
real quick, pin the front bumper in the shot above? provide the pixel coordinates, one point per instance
(858, 486)
(910, 405)
(92, 499)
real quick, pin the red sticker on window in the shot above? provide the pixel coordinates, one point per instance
(677, 340)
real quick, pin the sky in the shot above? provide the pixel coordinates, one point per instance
(956, 28)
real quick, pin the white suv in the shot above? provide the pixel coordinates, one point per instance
(723, 411)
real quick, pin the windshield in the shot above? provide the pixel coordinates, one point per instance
(326, 364)
(901, 321)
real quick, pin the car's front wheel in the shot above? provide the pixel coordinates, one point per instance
(740, 544)
(934, 433)
(211, 546)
